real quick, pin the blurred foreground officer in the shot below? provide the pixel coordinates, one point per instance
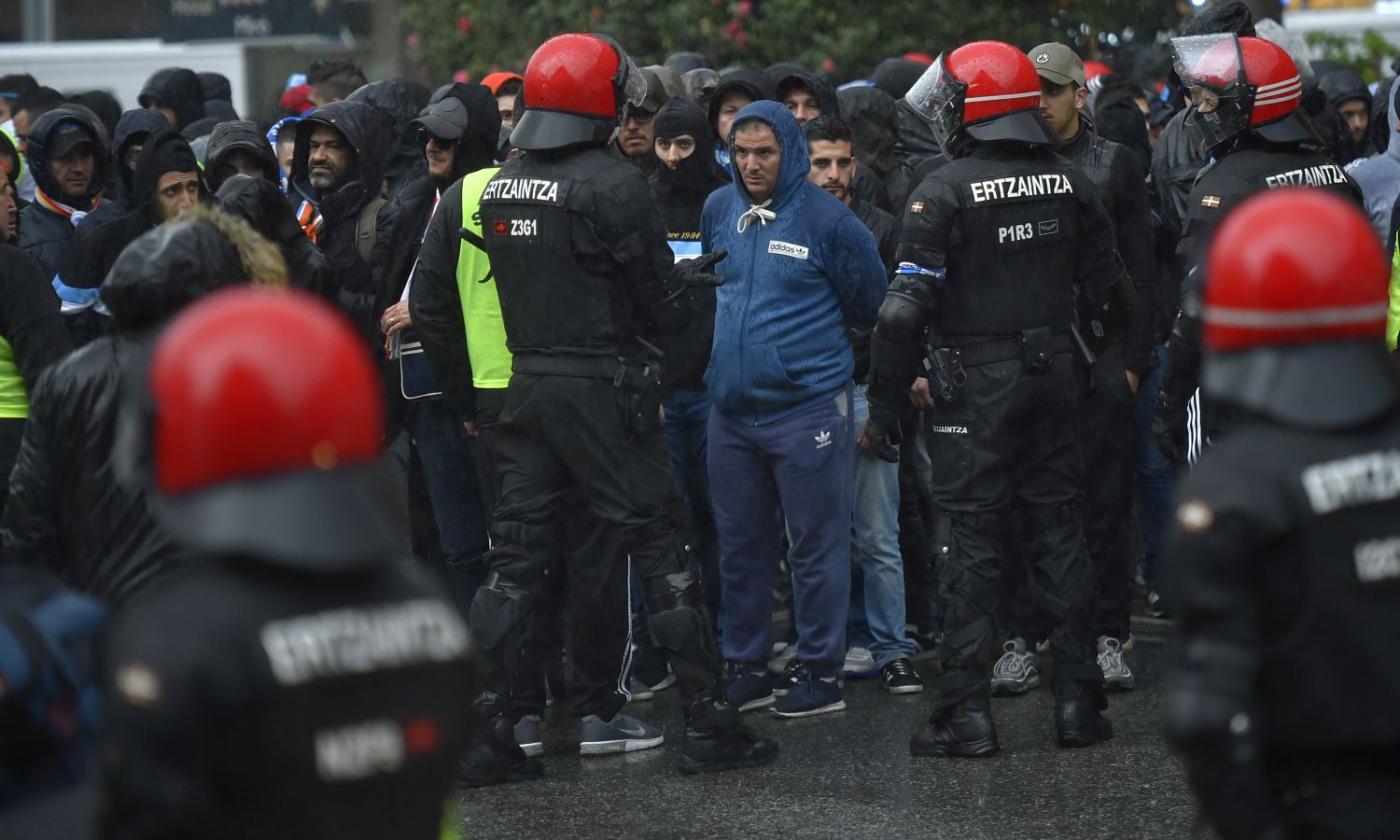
(994, 245)
(294, 684)
(1286, 558)
(582, 268)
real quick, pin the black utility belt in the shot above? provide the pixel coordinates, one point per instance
(1032, 347)
(623, 371)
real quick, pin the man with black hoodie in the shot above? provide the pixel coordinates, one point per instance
(808, 96)
(166, 180)
(238, 147)
(1351, 99)
(69, 158)
(338, 171)
(176, 94)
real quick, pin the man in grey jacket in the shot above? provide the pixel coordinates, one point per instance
(1379, 175)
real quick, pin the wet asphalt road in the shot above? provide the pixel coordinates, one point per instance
(849, 774)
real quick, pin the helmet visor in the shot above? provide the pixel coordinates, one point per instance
(938, 98)
(1210, 61)
(631, 81)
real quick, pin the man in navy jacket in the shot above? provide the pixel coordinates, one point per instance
(801, 269)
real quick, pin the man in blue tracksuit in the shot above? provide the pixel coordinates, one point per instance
(801, 269)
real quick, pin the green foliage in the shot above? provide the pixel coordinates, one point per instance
(1366, 54)
(844, 40)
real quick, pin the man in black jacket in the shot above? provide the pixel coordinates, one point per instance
(69, 509)
(176, 94)
(338, 170)
(69, 159)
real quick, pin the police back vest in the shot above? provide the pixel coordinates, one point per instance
(558, 282)
(1011, 251)
(476, 289)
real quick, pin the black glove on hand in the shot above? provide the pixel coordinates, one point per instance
(696, 271)
(883, 434)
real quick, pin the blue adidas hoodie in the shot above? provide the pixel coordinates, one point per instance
(791, 287)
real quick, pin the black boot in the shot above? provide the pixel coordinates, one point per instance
(493, 757)
(963, 730)
(1078, 718)
(717, 740)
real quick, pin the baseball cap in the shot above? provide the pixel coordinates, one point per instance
(447, 119)
(67, 136)
(1057, 63)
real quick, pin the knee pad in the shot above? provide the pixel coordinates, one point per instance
(501, 608)
(670, 591)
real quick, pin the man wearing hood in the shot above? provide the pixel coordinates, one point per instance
(1351, 99)
(133, 129)
(238, 148)
(218, 96)
(1379, 175)
(68, 508)
(69, 158)
(808, 96)
(736, 89)
(686, 176)
(176, 94)
(802, 269)
(261, 204)
(338, 172)
(456, 136)
(400, 101)
(166, 181)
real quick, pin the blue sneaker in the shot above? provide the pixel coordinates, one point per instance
(749, 687)
(810, 694)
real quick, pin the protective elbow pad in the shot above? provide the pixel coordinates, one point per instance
(905, 311)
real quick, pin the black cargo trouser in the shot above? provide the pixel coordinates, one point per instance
(1007, 465)
(560, 435)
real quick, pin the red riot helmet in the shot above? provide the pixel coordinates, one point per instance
(1294, 310)
(986, 90)
(577, 87)
(1242, 84)
(265, 424)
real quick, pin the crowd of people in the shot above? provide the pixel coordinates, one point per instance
(614, 380)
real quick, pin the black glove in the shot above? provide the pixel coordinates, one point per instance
(1169, 427)
(696, 270)
(882, 432)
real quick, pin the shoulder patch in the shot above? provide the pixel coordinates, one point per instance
(1211, 201)
(916, 207)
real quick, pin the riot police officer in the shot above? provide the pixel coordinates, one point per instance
(583, 270)
(993, 246)
(1247, 95)
(296, 682)
(1284, 568)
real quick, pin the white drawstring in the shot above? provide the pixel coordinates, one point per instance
(759, 212)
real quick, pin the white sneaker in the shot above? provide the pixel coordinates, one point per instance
(1117, 676)
(1017, 671)
(859, 660)
(781, 657)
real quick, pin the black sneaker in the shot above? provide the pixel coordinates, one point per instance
(493, 758)
(749, 687)
(899, 677)
(812, 694)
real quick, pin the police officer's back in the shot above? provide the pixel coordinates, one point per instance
(1285, 565)
(295, 683)
(1247, 93)
(994, 245)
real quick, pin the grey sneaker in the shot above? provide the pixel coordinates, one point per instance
(1016, 672)
(859, 661)
(1117, 676)
(527, 735)
(619, 735)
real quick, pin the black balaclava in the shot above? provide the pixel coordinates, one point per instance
(699, 173)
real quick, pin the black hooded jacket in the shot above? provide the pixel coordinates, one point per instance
(229, 137)
(218, 96)
(400, 100)
(916, 153)
(895, 76)
(366, 130)
(755, 83)
(179, 90)
(71, 508)
(100, 242)
(260, 203)
(46, 235)
(872, 117)
(680, 196)
(820, 88)
(1341, 86)
(133, 128)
